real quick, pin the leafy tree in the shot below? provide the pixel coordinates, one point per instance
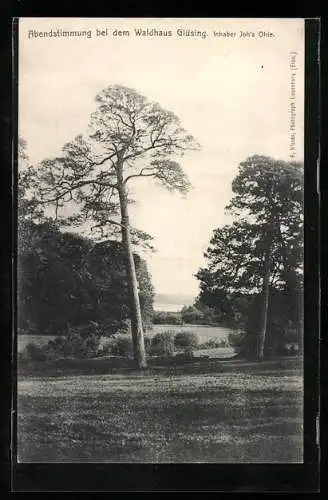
(167, 318)
(66, 281)
(47, 286)
(190, 314)
(210, 315)
(28, 212)
(261, 250)
(28, 208)
(129, 138)
(111, 305)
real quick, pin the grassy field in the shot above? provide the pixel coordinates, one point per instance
(204, 333)
(248, 413)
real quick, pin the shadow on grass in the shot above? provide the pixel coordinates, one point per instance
(119, 365)
(178, 365)
(165, 425)
(142, 417)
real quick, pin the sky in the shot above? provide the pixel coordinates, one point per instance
(232, 93)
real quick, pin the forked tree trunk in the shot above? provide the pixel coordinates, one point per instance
(264, 305)
(135, 311)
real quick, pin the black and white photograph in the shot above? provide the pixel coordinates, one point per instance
(160, 254)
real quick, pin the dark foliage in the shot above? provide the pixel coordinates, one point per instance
(65, 281)
(167, 318)
(267, 208)
(162, 343)
(73, 346)
(186, 341)
(122, 347)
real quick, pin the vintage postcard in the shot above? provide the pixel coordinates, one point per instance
(160, 240)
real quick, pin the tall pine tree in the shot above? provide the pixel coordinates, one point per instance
(259, 256)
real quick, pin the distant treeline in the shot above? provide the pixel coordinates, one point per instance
(193, 315)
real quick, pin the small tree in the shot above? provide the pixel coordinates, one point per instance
(191, 315)
(129, 138)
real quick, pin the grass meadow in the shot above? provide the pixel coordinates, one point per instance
(244, 412)
(204, 334)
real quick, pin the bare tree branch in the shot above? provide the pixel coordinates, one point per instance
(72, 188)
(152, 174)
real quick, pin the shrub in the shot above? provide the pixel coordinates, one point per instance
(23, 356)
(34, 353)
(148, 341)
(186, 341)
(243, 344)
(76, 345)
(105, 345)
(92, 345)
(209, 344)
(167, 318)
(122, 346)
(286, 350)
(72, 346)
(192, 315)
(83, 331)
(162, 343)
(214, 343)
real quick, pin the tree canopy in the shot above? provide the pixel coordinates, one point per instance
(267, 207)
(128, 137)
(66, 281)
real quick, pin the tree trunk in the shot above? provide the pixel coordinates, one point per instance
(136, 319)
(265, 305)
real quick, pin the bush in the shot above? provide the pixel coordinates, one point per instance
(162, 344)
(92, 345)
(186, 341)
(243, 344)
(286, 350)
(105, 345)
(148, 344)
(167, 318)
(122, 346)
(72, 346)
(209, 344)
(214, 343)
(76, 345)
(192, 315)
(36, 354)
